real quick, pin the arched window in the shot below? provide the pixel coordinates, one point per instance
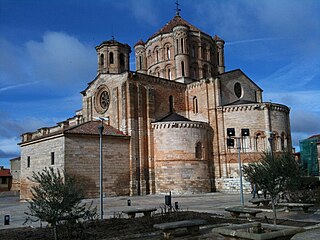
(140, 62)
(102, 60)
(198, 150)
(111, 57)
(181, 45)
(171, 103)
(195, 72)
(168, 53)
(282, 141)
(182, 68)
(193, 51)
(157, 72)
(149, 57)
(205, 71)
(121, 59)
(195, 105)
(204, 53)
(169, 74)
(177, 45)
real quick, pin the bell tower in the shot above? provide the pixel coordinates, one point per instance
(113, 57)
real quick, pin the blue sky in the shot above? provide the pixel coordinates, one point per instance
(47, 53)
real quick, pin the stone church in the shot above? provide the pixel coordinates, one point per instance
(169, 121)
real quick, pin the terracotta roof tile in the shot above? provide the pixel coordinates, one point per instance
(173, 117)
(217, 38)
(140, 42)
(91, 128)
(5, 172)
(176, 21)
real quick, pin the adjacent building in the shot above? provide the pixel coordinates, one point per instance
(309, 155)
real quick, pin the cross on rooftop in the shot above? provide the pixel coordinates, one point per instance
(177, 8)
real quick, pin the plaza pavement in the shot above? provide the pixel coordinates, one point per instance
(113, 206)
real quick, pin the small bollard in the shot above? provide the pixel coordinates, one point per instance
(129, 202)
(7, 220)
(167, 200)
(176, 205)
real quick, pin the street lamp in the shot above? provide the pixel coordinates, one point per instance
(100, 129)
(230, 143)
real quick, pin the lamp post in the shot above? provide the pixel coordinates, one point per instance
(240, 172)
(100, 129)
(230, 143)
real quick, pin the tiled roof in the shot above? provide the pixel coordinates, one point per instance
(140, 42)
(91, 128)
(317, 136)
(173, 117)
(5, 173)
(234, 74)
(239, 102)
(176, 21)
(217, 38)
(16, 158)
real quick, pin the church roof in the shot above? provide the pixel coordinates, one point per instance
(176, 21)
(173, 117)
(140, 42)
(91, 128)
(233, 74)
(239, 102)
(217, 38)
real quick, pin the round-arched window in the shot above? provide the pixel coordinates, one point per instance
(238, 90)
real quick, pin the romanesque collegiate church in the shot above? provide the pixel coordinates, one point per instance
(174, 124)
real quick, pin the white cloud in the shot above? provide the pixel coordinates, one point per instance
(61, 58)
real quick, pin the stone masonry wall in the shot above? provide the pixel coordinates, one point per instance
(177, 167)
(82, 160)
(39, 153)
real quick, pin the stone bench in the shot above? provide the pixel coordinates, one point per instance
(290, 206)
(133, 211)
(236, 211)
(258, 201)
(168, 228)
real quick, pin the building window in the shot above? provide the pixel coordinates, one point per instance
(182, 68)
(28, 161)
(102, 60)
(168, 53)
(3, 180)
(193, 51)
(195, 105)
(205, 71)
(122, 59)
(177, 46)
(198, 150)
(111, 57)
(52, 158)
(140, 62)
(181, 45)
(169, 74)
(171, 104)
(157, 55)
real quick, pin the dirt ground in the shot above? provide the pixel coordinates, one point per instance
(120, 228)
